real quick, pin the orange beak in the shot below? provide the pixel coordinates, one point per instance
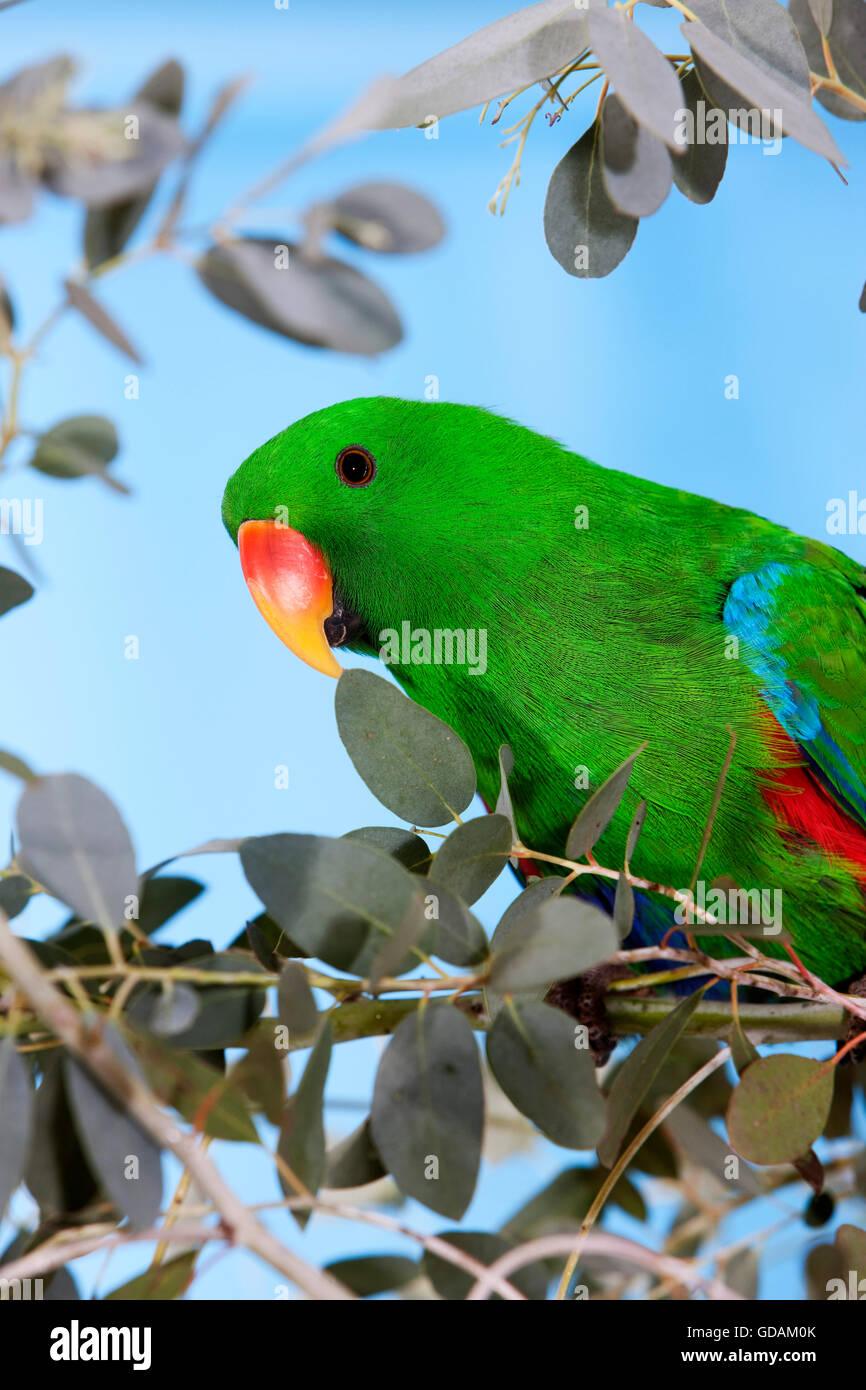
(292, 588)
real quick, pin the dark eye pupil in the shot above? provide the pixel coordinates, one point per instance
(355, 466)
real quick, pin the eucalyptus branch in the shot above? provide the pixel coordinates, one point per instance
(86, 1042)
(682, 1273)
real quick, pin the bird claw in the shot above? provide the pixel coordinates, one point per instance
(583, 998)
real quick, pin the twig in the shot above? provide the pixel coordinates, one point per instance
(681, 1272)
(240, 1225)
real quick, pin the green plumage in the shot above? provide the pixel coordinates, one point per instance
(601, 636)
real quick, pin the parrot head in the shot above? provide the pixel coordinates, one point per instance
(375, 510)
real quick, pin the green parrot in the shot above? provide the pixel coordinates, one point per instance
(530, 597)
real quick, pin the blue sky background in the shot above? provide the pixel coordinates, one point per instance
(629, 370)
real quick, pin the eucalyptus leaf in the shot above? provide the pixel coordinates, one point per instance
(645, 81)
(58, 1171)
(16, 766)
(158, 1283)
(14, 590)
(623, 907)
(780, 1108)
(638, 1074)
(17, 1109)
(562, 937)
(162, 898)
(564, 1202)
(15, 893)
(847, 44)
(409, 759)
(355, 1161)
(368, 1275)
(340, 899)
(296, 1006)
(637, 166)
(302, 1136)
(453, 1283)
(428, 1109)
(387, 217)
(76, 448)
(224, 1014)
(74, 842)
(73, 171)
(698, 171)
(512, 52)
(504, 805)
(403, 845)
(595, 816)
(200, 1093)
(765, 87)
(584, 231)
(125, 1157)
(315, 300)
(108, 229)
(81, 299)
(532, 1051)
(473, 856)
(458, 937)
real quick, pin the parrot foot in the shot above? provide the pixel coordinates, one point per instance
(583, 998)
(856, 1025)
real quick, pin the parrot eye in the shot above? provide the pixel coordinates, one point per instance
(356, 466)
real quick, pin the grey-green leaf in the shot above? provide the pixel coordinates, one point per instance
(847, 43)
(16, 1108)
(558, 939)
(766, 88)
(599, 810)
(584, 231)
(355, 1161)
(698, 171)
(458, 937)
(108, 229)
(72, 172)
(403, 845)
(77, 447)
(125, 1157)
(10, 762)
(15, 893)
(318, 301)
(339, 899)
(428, 1109)
(637, 166)
(473, 856)
(638, 1073)
(822, 13)
(623, 907)
(409, 759)
(504, 805)
(645, 81)
(81, 299)
(512, 52)
(387, 217)
(453, 1283)
(532, 1051)
(74, 842)
(368, 1275)
(14, 590)
(302, 1138)
(296, 1005)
